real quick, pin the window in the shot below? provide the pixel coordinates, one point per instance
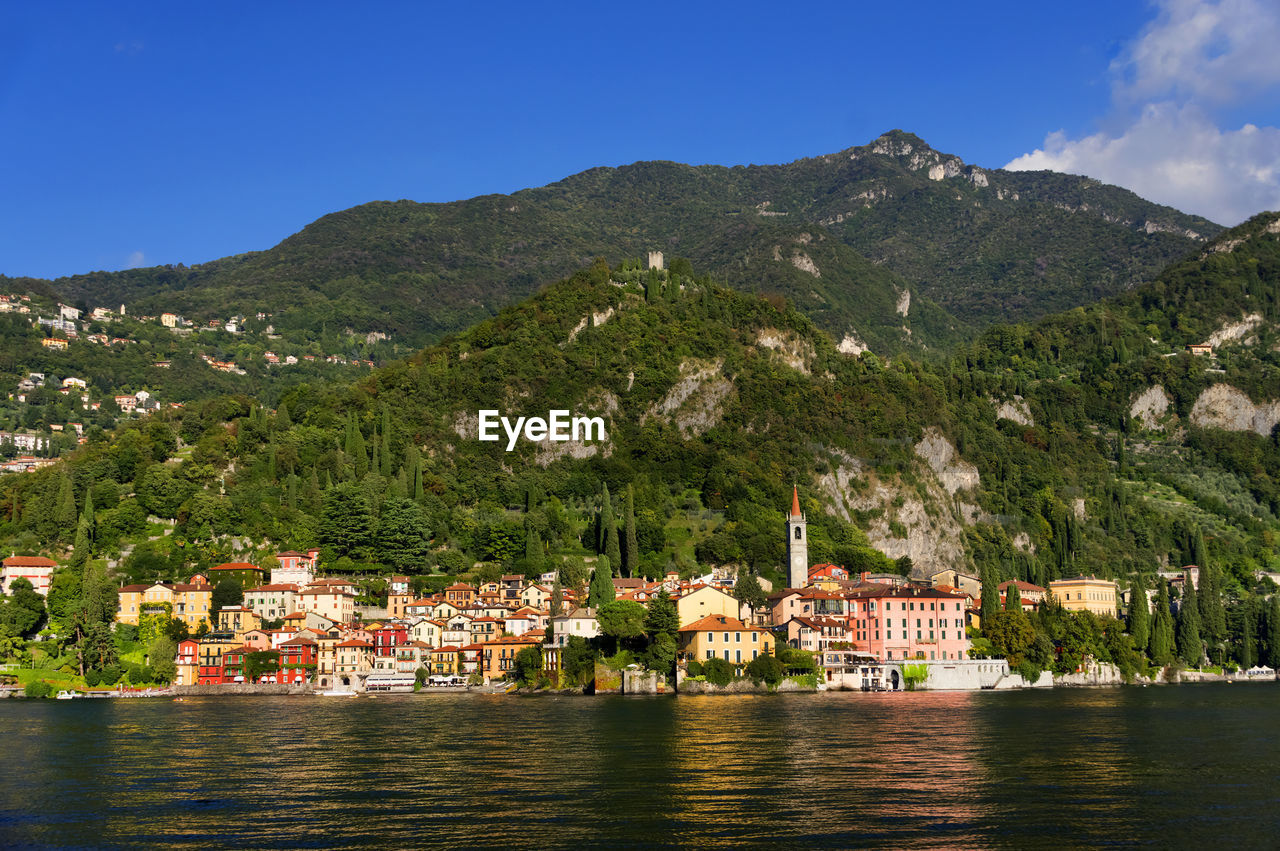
(737, 638)
(726, 641)
(755, 636)
(737, 655)
(711, 636)
(797, 534)
(726, 654)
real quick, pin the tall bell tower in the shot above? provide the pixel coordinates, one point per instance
(797, 544)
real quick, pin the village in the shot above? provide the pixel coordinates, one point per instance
(299, 628)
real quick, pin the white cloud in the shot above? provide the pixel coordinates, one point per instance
(1210, 53)
(1176, 156)
(136, 260)
(1193, 59)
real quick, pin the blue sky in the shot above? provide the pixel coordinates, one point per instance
(149, 133)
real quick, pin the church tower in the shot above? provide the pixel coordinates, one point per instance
(797, 544)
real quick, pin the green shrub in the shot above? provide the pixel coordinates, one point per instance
(38, 688)
(719, 671)
(111, 675)
(695, 668)
(92, 678)
(765, 668)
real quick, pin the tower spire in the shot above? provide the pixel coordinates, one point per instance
(795, 501)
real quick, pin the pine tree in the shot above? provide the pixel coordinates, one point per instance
(612, 549)
(601, 590)
(1161, 645)
(1139, 614)
(1190, 645)
(990, 596)
(633, 546)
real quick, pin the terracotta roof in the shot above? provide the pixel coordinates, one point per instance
(795, 501)
(279, 586)
(29, 561)
(297, 639)
(354, 642)
(1022, 586)
(237, 565)
(714, 622)
(133, 589)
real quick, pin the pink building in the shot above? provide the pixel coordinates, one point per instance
(908, 623)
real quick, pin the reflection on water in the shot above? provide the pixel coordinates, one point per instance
(1159, 766)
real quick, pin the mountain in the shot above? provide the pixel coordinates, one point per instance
(891, 244)
(1089, 441)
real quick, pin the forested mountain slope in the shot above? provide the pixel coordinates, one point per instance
(869, 241)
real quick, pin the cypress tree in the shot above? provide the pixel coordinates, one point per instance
(375, 456)
(1273, 632)
(1139, 614)
(601, 590)
(67, 514)
(1247, 652)
(1213, 615)
(1190, 646)
(385, 458)
(633, 545)
(557, 592)
(612, 549)
(990, 596)
(1013, 598)
(283, 421)
(1161, 646)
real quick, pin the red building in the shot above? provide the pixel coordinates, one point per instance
(387, 637)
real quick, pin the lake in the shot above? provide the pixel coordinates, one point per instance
(1176, 765)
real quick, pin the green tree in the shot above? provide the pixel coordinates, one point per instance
(1213, 614)
(161, 656)
(631, 566)
(1273, 632)
(748, 590)
(557, 597)
(403, 538)
(259, 663)
(612, 549)
(990, 595)
(601, 590)
(765, 668)
(1161, 645)
(662, 617)
(1012, 598)
(621, 620)
(23, 612)
(1011, 634)
(91, 618)
(1190, 645)
(346, 525)
(1139, 614)
(228, 592)
(528, 665)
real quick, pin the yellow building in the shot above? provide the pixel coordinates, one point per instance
(703, 601)
(238, 620)
(1086, 594)
(186, 601)
(723, 637)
